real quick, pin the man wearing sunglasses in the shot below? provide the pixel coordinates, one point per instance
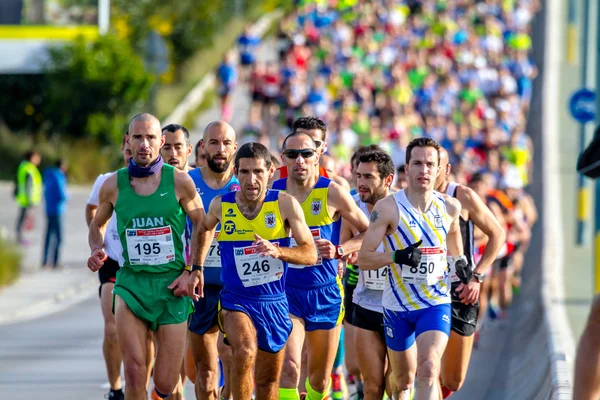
(315, 293)
(316, 129)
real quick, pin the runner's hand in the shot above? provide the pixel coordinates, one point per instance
(410, 256)
(352, 257)
(464, 272)
(469, 293)
(325, 248)
(96, 260)
(195, 280)
(179, 285)
(266, 248)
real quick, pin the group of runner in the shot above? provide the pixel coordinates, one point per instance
(244, 295)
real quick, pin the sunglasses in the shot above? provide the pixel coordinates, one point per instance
(305, 153)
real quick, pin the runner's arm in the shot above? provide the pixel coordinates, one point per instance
(345, 205)
(90, 213)
(205, 232)
(484, 219)
(305, 253)
(103, 213)
(382, 220)
(453, 238)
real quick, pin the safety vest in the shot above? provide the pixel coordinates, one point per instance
(27, 168)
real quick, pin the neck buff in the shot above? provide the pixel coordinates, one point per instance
(142, 172)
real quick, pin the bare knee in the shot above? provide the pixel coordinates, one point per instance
(428, 370)
(135, 374)
(373, 388)
(110, 333)
(206, 377)
(319, 383)
(401, 381)
(290, 372)
(244, 353)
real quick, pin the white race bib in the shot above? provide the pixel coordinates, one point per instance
(152, 246)
(375, 279)
(253, 269)
(213, 258)
(430, 270)
(316, 233)
(453, 276)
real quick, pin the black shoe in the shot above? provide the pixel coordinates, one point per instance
(115, 395)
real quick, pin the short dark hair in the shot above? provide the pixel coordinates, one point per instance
(29, 155)
(253, 150)
(197, 148)
(294, 134)
(363, 149)
(422, 142)
(385, 165)
(310, 123)
(400, 169)
(60, 163)
(172, 128)
(125, 138)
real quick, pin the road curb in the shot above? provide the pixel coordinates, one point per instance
(60, 301)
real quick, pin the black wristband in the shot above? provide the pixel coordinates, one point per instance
(196, 267)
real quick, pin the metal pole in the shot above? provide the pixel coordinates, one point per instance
(597, 183)
(572, 32)
(104, 16)
(583, 190)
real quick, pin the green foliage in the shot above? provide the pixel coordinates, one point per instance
(93, 88)
(10, 262)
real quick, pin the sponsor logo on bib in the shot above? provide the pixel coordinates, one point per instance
(230, 213)
(437, 222)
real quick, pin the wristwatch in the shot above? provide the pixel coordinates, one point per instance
(339, 252)
(479, 277)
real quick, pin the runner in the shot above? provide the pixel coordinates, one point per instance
(215, 179)
(315, 294)
(177, 148)
(455, 361)
(150, 200)
(107, 276)
(414, 225)
(375, 174)
(253, 306)
(316, 129)
(227, 79)
(175, 152)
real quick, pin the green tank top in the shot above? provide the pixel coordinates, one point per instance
(151, 228)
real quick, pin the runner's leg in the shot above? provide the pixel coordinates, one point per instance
(322, 347)
(132, 335)
(226, 357)
(290, 375)
(170, 347)
(204, 350)
(455, 361)
(430, 348)
(241, 334)
(370, 351)
(267, 374)
(110, 345)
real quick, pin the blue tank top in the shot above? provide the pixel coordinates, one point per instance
(322, 226)
(245, 272)
(212, 264)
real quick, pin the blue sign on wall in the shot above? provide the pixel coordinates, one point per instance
(582, 105)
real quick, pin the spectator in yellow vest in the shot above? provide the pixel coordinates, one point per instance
(28, 190)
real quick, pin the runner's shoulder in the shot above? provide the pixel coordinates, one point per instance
(453, 206)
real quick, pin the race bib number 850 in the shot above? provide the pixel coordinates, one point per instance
(430, 270)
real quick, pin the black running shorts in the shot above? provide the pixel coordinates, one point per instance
(348, 304)
(464, 316)
(369, 320)
(108, 273)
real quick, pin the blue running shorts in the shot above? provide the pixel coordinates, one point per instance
(321, 308)
(402, 327)
(269, 314)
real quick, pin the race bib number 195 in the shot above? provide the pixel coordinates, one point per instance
(152, 246)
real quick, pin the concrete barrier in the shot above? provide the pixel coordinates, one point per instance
(195, 97)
